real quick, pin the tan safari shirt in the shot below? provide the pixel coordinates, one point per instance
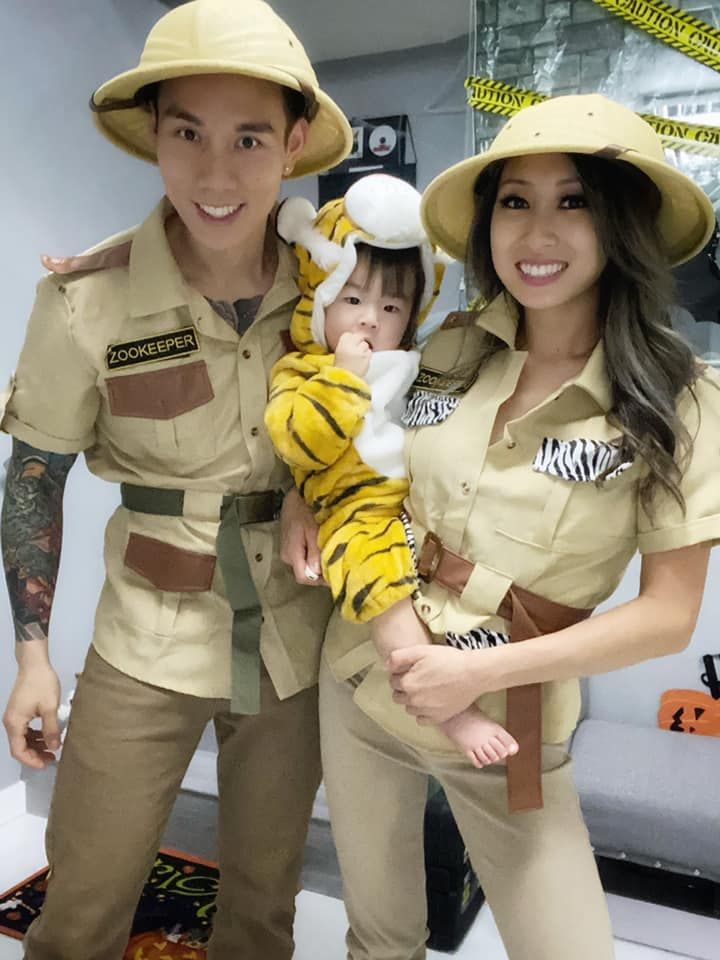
(126, 363)
(526, 509)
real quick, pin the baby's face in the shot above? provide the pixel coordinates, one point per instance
(361, 307)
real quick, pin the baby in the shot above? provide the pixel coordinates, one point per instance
(368, 278)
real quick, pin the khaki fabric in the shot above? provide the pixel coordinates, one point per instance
(536, 869)
(192, 422)
(127, 749)
(569, 540)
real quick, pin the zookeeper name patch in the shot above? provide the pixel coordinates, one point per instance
(163, 346)
(448, 383)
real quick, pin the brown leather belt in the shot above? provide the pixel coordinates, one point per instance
(530, 615)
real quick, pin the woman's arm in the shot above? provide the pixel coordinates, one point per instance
(437, 682)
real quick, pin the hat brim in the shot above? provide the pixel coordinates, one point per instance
(329, 136)
(685, 222)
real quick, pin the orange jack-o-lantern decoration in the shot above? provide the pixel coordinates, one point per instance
(153, 946)
(689, 711)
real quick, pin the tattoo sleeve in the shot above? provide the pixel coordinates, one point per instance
(31, 529)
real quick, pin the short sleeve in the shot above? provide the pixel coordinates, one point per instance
(668, 528)
(54, 400)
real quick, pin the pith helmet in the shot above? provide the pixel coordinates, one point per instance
(589, 124)
(244, 37)
(378, 210)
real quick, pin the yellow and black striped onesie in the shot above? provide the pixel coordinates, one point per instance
(341, 434)
(315, 414)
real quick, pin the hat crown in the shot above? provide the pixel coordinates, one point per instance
(590, 121)
(242, 31)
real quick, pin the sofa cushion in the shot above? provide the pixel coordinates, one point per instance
(650, 795)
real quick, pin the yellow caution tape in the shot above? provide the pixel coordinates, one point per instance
(680, 30)
(494, 96)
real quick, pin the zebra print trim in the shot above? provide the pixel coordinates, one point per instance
(424, 408)
(407, 525)
(405, 520)
(477, 639)
(579, 460)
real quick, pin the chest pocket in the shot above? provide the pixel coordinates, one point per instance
(575, 514)
(163, 415)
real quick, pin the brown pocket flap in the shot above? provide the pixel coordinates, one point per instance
(160, 394)
(168, 567)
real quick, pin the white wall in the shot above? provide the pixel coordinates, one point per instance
(64, 188)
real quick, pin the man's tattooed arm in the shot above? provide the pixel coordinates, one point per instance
(32, 535)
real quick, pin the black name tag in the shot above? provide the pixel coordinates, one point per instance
(450, 383)
(164, 346)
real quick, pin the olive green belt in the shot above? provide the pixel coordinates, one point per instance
(236, 510)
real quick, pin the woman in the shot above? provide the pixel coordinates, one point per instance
(564, 426)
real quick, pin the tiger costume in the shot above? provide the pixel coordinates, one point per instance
(340, 433)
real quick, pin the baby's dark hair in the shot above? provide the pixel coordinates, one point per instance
(402, 276)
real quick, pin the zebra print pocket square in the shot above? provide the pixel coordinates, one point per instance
(579, 460)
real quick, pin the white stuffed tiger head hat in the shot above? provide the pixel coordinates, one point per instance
(378, 210)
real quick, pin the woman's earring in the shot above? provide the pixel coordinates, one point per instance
(287, 171)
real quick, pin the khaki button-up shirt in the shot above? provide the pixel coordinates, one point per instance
(131, 366)
(526, 509)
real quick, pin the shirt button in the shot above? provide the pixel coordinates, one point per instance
(511, 444)
(254, 432)
(246, 354)
(465, 487)
(426, 609)
(258, 557)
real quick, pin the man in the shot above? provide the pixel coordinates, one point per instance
(150, 355)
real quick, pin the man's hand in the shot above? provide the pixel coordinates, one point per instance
(353, 353)
(298, 540)
(36, 694)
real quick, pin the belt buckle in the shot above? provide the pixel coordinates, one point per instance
(428, 565)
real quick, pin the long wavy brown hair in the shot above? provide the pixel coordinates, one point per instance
(648, 364)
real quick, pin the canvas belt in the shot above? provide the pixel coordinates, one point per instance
(529, 615)
(234, 511)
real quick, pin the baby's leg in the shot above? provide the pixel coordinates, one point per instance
(481, 739)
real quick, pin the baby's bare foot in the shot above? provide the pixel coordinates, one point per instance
(481, 740)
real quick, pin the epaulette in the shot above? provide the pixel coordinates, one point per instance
(459, 318)
(104, 259)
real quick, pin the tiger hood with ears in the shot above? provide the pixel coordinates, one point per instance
(377, 210)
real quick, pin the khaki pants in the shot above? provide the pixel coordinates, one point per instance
(536, 869)
(126, 752)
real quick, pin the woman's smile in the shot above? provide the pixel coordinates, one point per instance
(540, 273)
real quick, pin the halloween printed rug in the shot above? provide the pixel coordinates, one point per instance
(173, 918)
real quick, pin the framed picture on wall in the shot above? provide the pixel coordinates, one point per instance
(380, 145)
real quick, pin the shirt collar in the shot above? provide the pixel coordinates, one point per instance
(284, 288)
(593, 379)
(156, 283)
(500, 318)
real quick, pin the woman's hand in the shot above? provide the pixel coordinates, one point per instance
(435, 682)
(298, 540)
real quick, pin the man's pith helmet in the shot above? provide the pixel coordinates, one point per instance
(242, 37)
